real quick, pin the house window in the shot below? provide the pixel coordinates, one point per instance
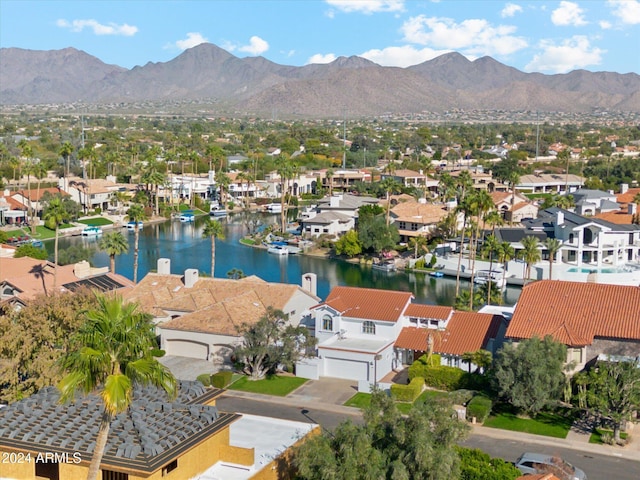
(50, 471)
(110, 475)
(369, 327)
(402, 225)
(327, 323)
(169, 467)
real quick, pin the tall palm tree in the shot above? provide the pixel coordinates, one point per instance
(113, 243)
(389, 185)
(553, 246)
(505, 253)
(53, 217)
(154, 177)
(286, 171)
(39, 171)
(491, 246)
(464, 207)
(483, 204)
(65, 152)
(530, 253)
(329, 176)
(418, 243)
(494, 219)
(136, 214)
(223, 181)
(115, 351)
(213, 229)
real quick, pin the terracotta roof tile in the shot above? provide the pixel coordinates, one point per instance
(620, 217)
(423, 213)
(368, 303)
(465, 332)
(575, 313)
(428, 311)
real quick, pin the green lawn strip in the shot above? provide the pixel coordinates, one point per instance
(359, 400)
(272, 385)
(42, 233)
(596, 436)
(96, 222)
(362, 400)
(549, 424)
(196, 211)
(247, 241)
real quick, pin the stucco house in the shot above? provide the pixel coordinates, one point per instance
(198, 317)
(415, 219)
(549, 183)
(335, 215)
(589, 318)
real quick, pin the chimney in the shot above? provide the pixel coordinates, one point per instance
(631, 208)
(310, 283)
(624, 187)
(190, 277)
(560, 217)
(164, 266)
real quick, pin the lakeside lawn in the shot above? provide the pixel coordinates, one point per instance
(548, 424)
(42, 232)
(280, 386)
(96, 222)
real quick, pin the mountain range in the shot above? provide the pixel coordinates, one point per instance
(257, 86)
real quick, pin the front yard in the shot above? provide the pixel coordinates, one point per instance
(277, 385)
(549, 424)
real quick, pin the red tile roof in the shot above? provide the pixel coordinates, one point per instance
(368, 303)
(574, 313)
(428, 311)
(465, 332)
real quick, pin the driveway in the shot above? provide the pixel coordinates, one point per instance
(185, 368)
(327, 390)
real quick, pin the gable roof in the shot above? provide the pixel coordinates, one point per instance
(212, 305)
(150, 434)
(416, 212)
(574, 313)
(368, 303)
(465, 332)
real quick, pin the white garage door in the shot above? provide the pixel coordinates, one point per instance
(187, 348)
(348, 369)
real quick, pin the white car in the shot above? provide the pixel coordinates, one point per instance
(532, 463)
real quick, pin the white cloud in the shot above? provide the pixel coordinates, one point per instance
(404, 56)
(473, 37)
(98, 28)
(257, 46)
(193, 39)
(605, 25)
(367, 6)
(322, 58)
(510, 9)
(572, 53)
(627, 10)
(568, 13)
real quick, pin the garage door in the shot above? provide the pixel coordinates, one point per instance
(186, 348)
(348, 369)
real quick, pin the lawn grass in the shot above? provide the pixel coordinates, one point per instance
(247, 241)
(359, 400)
(549, 424)
(97, 221)
(42, 233)
(596, 435)
(276, 385)
(363, 400)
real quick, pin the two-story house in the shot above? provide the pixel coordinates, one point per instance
(415, 219)
(335, 215)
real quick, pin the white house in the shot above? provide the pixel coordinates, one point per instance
(335, 215)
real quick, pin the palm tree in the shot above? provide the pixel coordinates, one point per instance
(136, 214)
(553, 246)
(115, 351)
(505, 253)
(286, 171)
(494, 219)
(113, 243)
(223, 181)
(530, 253)
(491, 246)
(39, 171)
(65, 152)
(155, 178)
(329, 175)
(213, 229)
(483, 203)
(418, 243)
(389, 185)
(53, 217)
(465, 208)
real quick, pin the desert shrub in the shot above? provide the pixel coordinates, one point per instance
(407, 393)
(479, 407)
(221, 379)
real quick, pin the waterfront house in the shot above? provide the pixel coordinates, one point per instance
(93, 193)
(415, 219)
(589, 318)
(514, 207)
(199, 317)
(343, 180)
(335, 215)
(155, 438)
(32, 199)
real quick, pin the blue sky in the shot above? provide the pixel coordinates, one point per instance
(541, 36)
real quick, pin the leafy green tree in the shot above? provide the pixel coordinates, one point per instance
(349, 244)
(477, 465)
(376, 235)
(54, 216)
(212, 230)
(35, 337)
(136, 214)
(613, 392)
(530, 375)
(114, 350)
(271, 342)
(420, 446)
(28, 250)
(113, 243)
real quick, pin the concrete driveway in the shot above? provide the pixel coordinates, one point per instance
(327, 390)
(185, 368)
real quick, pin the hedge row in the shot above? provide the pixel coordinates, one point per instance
(443, 377)
(407, 393)
(219, 380)
(479, 407)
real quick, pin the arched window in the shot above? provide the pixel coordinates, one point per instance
(369, 327)
(327, 323)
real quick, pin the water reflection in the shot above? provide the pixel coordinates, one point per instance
(184, 245)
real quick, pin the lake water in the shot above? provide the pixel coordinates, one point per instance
(184, 245)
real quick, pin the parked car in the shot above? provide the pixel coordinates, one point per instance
(532, 463)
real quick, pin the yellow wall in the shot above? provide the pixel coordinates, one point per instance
(238, 455)
(27, 470)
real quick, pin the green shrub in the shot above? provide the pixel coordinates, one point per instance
(477, 465)
(221, 379)
(433, 261)
(462, 396)
(204, 379)
(419, 264)
(443, 377)
(407, 393)
(479, 407)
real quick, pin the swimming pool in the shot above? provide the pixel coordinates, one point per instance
(597, 270)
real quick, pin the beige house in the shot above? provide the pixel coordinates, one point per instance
(415, 219)
(199, 317)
